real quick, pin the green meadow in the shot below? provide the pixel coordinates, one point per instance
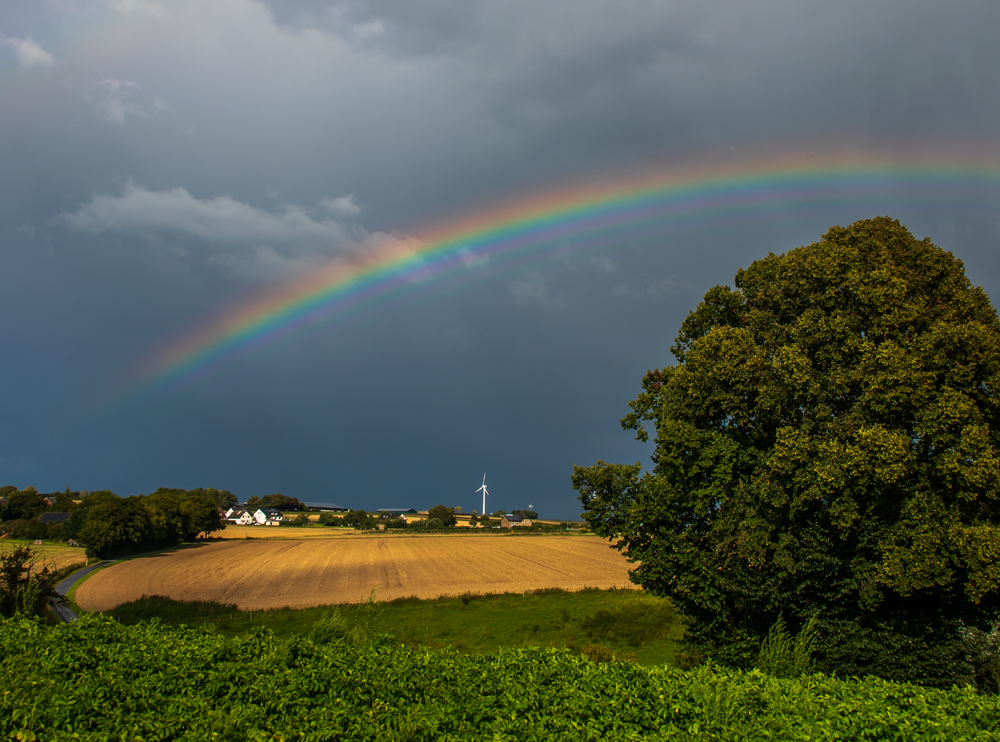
(626, 624)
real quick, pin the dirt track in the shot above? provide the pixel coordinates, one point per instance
(298, 573)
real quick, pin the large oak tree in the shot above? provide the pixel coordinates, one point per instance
(827, 444)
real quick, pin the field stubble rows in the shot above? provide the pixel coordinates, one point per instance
(258, 575)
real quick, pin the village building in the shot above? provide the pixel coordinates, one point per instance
(396, 512)
(239, 517)
(515, 521)
(268, 517)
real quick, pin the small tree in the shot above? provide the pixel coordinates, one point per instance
(442, 513)
(329, 519)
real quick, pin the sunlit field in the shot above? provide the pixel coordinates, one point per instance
(272, 573)
(58, 556)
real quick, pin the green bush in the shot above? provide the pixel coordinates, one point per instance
(96, 679)
(903, 650)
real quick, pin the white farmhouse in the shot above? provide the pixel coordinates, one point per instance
(267, 517)
(239, 516)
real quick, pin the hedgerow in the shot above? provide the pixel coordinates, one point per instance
(99, 680)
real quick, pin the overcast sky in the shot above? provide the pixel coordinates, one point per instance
(162, 162)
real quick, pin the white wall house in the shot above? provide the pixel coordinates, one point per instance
(239, 516)
(267, 517)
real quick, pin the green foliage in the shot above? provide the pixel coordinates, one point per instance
(935, 655)
(629, 622)
(982, 648)
(828, 443)
(25, 588)
(112, 526)
(443, 514)
(98, 680)
(281, 502)
(787, 656)
(223, 498)
(635, 624)
(329, 628)
(23, 505)
(360, 519)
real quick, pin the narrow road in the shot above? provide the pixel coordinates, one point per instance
(64, 611)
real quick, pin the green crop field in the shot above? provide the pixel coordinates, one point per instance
(97, 679)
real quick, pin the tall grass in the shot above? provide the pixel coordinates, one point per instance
(785, 656)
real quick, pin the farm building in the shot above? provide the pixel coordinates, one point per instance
(326, 507)
(396, 512)
(239, 516)
(514, 521)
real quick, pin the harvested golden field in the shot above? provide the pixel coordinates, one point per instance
(56, 556)
(273, 573)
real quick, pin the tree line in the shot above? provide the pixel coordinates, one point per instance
(438, 517)
(109, 525)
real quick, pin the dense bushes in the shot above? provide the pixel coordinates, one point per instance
(96, 679)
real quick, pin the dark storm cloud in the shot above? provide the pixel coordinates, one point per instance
(161, 156)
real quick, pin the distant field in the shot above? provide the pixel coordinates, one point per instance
(273, 573)
(245, 532)
(53, 555)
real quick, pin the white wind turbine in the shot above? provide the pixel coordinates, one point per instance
(483, 490)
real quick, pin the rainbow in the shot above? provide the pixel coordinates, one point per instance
(596, 212)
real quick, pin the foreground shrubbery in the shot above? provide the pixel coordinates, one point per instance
(97, 679)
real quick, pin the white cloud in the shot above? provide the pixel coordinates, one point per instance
(532, 289)
(245, 242)
(29, 54)
(344, 206)
(112, 101)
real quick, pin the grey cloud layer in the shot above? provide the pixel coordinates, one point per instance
(159, 155)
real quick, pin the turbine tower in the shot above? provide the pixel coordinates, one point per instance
(483, 490)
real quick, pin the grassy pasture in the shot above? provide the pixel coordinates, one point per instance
(627, 624)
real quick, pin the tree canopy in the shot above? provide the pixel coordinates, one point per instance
(442, 513)
(826, 445)
(108, 524)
